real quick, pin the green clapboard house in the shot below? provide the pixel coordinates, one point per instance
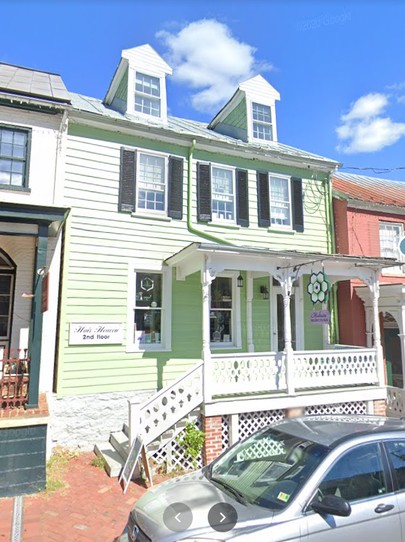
(188, 252)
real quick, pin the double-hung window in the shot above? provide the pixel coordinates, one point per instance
(280, 201)
(151, 183)
(13, 157)
(262, 122)
(223, 194)
(147, 95)
(391, 234)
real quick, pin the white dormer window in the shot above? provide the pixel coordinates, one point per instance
(262, 123)
(147, 95)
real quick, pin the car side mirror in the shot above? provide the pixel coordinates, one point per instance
(333, 505)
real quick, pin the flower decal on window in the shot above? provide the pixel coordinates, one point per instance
(318, 287)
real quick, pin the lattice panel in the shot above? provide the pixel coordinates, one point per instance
(173, 456)
(250, 422)
(354, 407)
(262, 449)
(333, 368)
(225, 432)
(248, 373)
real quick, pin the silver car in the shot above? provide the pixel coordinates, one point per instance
(309, 479)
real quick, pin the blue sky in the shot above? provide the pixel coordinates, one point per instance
(339, 66)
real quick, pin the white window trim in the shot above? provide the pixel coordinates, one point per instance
(151, 212)
(397, 270)
(236, 316)
(281, 227)
(260, 101)
(131, 96)
(166, 319)
(224, 221)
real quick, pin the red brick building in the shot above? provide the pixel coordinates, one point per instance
(369, 216)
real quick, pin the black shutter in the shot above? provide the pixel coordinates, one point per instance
(263, 201)
(175, 195)
(204, 212)
(297, 204)
(127, 190)
(242, 198)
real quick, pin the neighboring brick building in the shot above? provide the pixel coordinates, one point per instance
(369, 218)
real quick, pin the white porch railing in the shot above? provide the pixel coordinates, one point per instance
(395, 402)
(168, 406)
(332, 368)
(265, 372)
(247, 373)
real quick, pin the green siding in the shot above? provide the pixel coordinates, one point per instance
(101, 243)
(238, 116)
(261, 317)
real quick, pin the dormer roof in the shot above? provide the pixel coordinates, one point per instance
(234, 117)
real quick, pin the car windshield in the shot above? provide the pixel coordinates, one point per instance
(268, 468)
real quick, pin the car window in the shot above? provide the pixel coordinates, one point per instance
(396, 451)
(358, 474)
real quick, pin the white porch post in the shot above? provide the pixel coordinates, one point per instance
(249, 311)
(375, 290)
(369, 326)
(286, 287)
(401, 324)
(206, 278)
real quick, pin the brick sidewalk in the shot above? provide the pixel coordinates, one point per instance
(91, 508)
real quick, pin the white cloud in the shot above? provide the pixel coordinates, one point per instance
(364, 129)
(207, 58)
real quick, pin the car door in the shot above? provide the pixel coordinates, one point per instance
(396, 455)
(360, 477)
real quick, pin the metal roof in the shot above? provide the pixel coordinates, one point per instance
(194, 128)
(332, 429)
(21, 81)
(370, 189)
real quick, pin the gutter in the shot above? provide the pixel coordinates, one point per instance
(332, 248)
(190, 226)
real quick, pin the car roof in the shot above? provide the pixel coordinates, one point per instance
(331, 430)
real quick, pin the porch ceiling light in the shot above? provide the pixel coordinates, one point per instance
(264, 292)
(239, 281)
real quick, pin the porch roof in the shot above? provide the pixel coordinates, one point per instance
(264, 260)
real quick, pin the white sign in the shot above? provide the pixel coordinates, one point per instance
(100, 333)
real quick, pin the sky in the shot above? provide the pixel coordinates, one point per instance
(338, 65)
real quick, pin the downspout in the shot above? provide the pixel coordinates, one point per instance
(190, 226)
(332, 249)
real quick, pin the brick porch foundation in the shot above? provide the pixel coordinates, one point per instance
(212, 427)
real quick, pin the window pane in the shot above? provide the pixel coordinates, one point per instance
(390, 236)
(148, 308)
(4, 305)
(221, 310)
(151, 185)
(13, 150)
(4, 326)
(147, 84)
(357, 475)
(396, 451)
(262, 124)
(5, 284)
(280, 201)
(222, 193)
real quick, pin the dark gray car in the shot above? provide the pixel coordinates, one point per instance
(310, 479)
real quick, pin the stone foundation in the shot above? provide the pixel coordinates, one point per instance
(79, 422)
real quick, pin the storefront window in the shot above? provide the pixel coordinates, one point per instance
(148, 309)
(221, 310)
